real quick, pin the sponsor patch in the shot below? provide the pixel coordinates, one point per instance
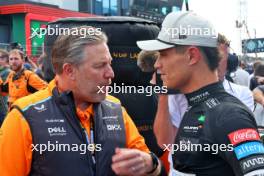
(242, 135)
(200, 97)
(113, 127)
(54, 120)
(201, 118)
(252, 163)
(213, 102)
(259, 172)
(192, 129)
(112, 123)
(109, 117)
(248, 148)
(40, 108)
(57, 131)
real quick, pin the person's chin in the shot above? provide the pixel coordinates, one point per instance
(170, 85)
(165, 83)
(13, 68)
(99, 98)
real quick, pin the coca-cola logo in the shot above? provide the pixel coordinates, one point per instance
(249, 134)
(243, 135)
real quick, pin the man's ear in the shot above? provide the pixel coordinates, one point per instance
(194, 55)
(69, 71)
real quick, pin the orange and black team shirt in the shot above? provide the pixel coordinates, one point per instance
(21, 84)
(16, 137)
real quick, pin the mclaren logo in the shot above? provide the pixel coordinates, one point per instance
(110, 105)
(40, 108)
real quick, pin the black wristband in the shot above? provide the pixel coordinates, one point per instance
(155, 162)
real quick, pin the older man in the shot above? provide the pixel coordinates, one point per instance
(72, 128)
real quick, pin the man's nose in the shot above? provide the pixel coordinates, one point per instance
(157, 64)
(109, 74)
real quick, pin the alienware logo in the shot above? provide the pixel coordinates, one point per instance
(251, 45)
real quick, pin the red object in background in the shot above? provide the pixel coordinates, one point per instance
(39, 13)
(40, 10)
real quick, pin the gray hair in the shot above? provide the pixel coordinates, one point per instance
(70, 48)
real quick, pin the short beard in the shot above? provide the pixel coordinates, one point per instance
(18, 68)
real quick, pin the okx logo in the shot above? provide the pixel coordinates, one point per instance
(113, 127)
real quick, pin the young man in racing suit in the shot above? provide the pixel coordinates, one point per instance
(218, 134)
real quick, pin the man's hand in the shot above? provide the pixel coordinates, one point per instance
(131, 162)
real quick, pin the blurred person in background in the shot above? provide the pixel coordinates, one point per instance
(258, 94)
(254, 66)
(258, 78)
(20, 82)
(4, 72)
(241, 76)
(39, 69)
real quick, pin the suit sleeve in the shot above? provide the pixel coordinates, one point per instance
(239, 142)
(36, 83)
(133, 138)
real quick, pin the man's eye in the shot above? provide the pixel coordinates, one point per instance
(162, 54)
(99, 65)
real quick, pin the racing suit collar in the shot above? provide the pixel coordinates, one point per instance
(204, 93)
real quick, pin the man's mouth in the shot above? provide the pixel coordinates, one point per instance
(162, 76)
(13, 66)
(102, 89)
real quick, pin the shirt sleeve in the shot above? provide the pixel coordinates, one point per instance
(15, 146)
(36, 82)
(243, 93)
(247, 98)
(177, 107)
(133, 138)
(239, 142)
